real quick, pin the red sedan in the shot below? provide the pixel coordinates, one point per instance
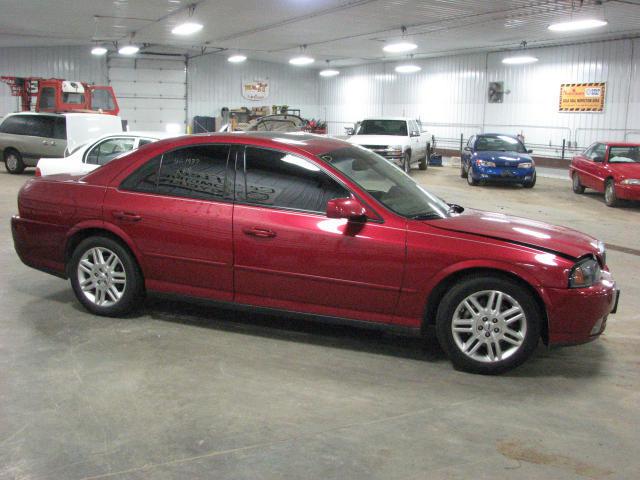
(612, 168)
(316, 227)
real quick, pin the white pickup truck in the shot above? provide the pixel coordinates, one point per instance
(400, 140)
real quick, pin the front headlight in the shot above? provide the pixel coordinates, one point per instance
(485, 163)
(584, 273)
(525, 165)
(394, 149)
(631, 181)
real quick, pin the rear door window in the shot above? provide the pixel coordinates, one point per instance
(105, 151)
(15, 125)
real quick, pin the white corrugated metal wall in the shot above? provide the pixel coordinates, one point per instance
(72, 63)
(214, 83)
(450, 93)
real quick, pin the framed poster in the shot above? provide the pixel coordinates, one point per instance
(582, 97)
(255, 90)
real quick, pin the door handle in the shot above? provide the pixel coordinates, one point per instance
(259, 232)
(126, 216)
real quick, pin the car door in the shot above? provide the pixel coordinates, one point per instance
(289, 255)
(592, 167)
(177, 211)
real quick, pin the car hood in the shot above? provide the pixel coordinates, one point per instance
(626, 170)
(377, 139)
(550, 238)
(503, 158)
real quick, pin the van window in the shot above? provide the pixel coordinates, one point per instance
(14, 125)
(101, 100)
(34, 125)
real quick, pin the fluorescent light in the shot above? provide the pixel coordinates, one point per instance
(187, 28)
(519, 60)
(98, 51)
(128, 50)
(329, 72)
(236, 58)
(408, 68)
(574, 25)
(301, 60)
(400, 47)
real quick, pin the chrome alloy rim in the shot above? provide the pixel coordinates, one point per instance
(12, 161)
(489, 326)
(101, 277)
(576, 181)
(608, 192)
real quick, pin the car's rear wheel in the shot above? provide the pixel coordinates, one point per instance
(576, 185)
(610, 197)
(406, 162)
(488, 324)
(531, 183)
(13, 162)
(105, 277)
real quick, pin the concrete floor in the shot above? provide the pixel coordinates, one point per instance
(188, 392)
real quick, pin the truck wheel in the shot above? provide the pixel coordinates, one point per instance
(424, 164)
(488, 324)
(406, 162)
(13, 161)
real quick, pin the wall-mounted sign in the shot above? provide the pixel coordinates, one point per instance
(255, 90)
(582, 97)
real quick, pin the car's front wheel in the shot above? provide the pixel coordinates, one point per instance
(610, 197)
(470, 180)
(488, 324)
(13, 162)
(576, 184)
(530, 183)
(105, 277)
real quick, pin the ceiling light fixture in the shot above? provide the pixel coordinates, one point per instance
(519, 60)
(187, 28)
(408, 68)
(574, 25)
(302, 59)
(329, 72)
(128, 50)
(98, 50)
(236, 58)
(401, 46)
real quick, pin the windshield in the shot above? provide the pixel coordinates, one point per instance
(499, 143)
(382, 127)
(387, 183)
(624, 154)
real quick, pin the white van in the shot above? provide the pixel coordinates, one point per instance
(26, 137)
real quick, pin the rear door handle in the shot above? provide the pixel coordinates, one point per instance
(126, 216)
(259, 232)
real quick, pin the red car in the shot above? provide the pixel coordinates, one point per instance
(317, 227)
(612, 168)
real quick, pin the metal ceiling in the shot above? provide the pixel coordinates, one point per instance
(347, 32)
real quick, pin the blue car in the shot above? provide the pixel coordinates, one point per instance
(499, 158)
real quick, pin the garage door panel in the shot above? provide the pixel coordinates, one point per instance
(151, 104)
(149, 89)
(146, 75)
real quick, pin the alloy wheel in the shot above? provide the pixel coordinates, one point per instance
(12, 162)
(101, 276)
(489, 326)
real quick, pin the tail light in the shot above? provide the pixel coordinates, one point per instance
(38, 172)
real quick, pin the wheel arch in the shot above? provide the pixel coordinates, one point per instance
(438, 292)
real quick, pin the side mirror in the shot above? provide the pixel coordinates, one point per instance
(348, 208)
(529, 151)
(415, 133)
(467, 149)
(598, 159)
(349, 131)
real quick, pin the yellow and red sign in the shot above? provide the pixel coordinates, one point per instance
(582, 97)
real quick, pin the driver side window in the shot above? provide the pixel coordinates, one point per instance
(598, 151)
(107, 150)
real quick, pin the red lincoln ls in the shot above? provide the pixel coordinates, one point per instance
(313, 226)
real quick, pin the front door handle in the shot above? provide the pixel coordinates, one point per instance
(259, 232)
(126, 216)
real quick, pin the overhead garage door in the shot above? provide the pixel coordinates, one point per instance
(152, 93)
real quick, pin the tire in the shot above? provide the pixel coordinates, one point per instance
(470, 180)
(610, 197)
(424, 164)
(406, 162)
(516, 333)
(576, 185)
(13, 162)
(463, 170)
(124, 276)
(531, 183)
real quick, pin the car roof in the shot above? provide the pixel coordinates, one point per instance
(621, 144)
(388, 118)
(496, 135)
(39, 114)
